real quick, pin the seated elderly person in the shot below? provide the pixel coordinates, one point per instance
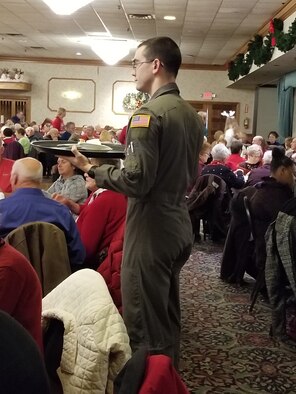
(257, 174)
(88, 133)
(259, 140)
(27, 204)
(69, 184)
(99, 217)
(254, 155)
(20, 290)
(218, 167)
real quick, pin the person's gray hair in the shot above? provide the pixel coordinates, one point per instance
(220, 152)
(254, 150)
(28, 169)
(267, 157)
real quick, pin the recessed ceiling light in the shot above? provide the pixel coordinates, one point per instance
(169, 18)
(78, 54)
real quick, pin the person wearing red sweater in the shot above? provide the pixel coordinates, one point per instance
(100, 216)
(235, 158)
(20, 290)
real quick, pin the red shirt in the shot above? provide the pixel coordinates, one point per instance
(58, 123)
(20, 291)
(233, 161)
(5, 171)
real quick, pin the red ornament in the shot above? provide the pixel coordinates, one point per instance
(271, 31)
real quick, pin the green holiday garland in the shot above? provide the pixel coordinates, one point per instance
(260, 50)
(132, 101)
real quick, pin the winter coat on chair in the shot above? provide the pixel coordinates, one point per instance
(95, 342)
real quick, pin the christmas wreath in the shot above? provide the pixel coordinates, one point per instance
(132, 101)
(260, 50)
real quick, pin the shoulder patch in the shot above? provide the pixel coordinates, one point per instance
(140, 121)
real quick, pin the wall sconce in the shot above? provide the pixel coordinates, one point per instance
(71, 95)
(246, 123)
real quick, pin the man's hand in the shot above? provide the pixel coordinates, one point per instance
(78, 160)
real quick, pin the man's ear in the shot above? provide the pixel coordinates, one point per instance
(156, 65)
(13, 179)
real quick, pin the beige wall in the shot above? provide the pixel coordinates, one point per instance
(191, 83)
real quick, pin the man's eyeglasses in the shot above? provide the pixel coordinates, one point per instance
(136, 64)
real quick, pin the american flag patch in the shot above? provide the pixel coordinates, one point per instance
(140, 121)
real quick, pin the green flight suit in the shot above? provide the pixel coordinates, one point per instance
(163, 143)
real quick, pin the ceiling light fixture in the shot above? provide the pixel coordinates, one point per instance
(169, 18)
(112, 50)
(66, 7)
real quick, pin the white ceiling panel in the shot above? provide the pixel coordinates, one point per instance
(211, 31)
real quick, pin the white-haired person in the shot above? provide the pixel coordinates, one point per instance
(218, 167)
(258, 174)
(259, 140)
(27, 203)
(253, 160)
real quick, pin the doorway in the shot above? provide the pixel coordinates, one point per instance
(10, 105)
(216, 121)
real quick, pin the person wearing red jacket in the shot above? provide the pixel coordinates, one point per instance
(100, 216)
(20, 290)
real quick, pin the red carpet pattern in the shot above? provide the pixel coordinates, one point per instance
(224, 349)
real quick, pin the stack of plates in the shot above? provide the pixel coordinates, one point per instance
(63, 148)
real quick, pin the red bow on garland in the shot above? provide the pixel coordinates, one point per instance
(271, 31)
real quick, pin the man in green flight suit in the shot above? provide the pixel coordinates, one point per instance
(163, 142)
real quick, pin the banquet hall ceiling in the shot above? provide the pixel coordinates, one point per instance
(209, 32)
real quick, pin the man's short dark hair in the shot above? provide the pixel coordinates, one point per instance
(236, 146)
(164, 49)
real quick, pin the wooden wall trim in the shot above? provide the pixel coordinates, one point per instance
(85, 62)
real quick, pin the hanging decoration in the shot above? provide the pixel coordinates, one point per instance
(133, 101)
(260, 50)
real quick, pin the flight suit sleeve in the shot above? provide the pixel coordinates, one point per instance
(141, 161)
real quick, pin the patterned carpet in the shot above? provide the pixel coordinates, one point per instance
(224, 349)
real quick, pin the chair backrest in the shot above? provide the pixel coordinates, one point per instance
(248, 214)
(206, 188)
(45, 246)
(95, 341)
(210, 200)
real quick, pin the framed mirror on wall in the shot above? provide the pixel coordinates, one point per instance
(74, 94)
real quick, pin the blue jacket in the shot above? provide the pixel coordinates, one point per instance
(30, 205)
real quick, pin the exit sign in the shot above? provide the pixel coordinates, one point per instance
(208, 95)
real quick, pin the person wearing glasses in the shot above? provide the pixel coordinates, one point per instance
(164, 139)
